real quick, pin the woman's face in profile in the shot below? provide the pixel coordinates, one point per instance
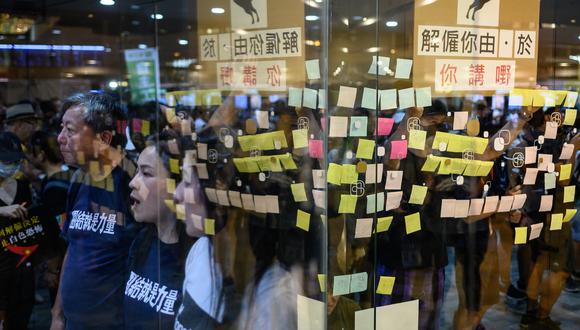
(189, 193)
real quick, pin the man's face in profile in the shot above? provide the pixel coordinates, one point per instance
(76, 138)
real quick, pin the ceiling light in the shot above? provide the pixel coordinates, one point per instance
(392, 23)
(311, 18)
(218, 10)
(156, 16)
(113, 84)
(56, 31)
(183, 42)
(107, 2)
(142, 46)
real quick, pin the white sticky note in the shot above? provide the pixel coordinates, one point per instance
(400, 316)
(358, 282)
(546, 202)
(313, 69)
(338, 126)
(364, 228)
(476, 206)
(310, 98)
(388, 99)
(536, 230)
(567, 150)
(393, 200)
(406, 98)
(260, 203)
(294, 97)
(543, 161)
(273, 206)
(235, 198)
(403, 68)
(490, 204)
(460, 120)
(222, 196)
(461, 208)
(319, 198)
(262, 119)
(549, 181)
(447, 208)
(380, 65)
(202, 151)
(394, 180)
(346, 96)
(310, 313)
(519, 201)
(369, 100)
(375, 202)
(374, 173)
(505, 204)
(531, 175)
(551, 130)
(423, 96)
(248, 202)
(202, 172)
(319, 179)
(531, 154)
(322, 99)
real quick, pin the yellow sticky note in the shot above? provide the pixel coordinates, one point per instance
(458, 165)
(209, 226)
(484, 168)
(349, 174)
(521, 235)
(556, 223)
(334, 173)
(94, 167)
(418, 194)
(569, 192)
(365, 149)
(569, 215)
(383, 224)
(565, 171)
(300, 138)
(417, 139)
(570, 117)
(170, 204)
(180, 211)
(299, 192)
(169, 114)
(431, 163)
(322, 282)
(386, 284)
(303, 220)
(174, 165)
(145, 127)
(413, 223)
(170, 183)
(287, 161)
(347, 204)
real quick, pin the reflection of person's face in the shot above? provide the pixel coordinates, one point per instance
(149, 188)
(76, 138)
(25, 128)
(189, 193)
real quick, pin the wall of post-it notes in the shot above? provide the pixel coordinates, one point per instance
(418, 194)
(546, 202)
(570, 117)
(310, 97)
(375, 202)
(346, 96)
(363, 228)
(403, 68)
(394, 180)
(300, 138)
(365, 149)
(556, 221)
(569, 193)
(398, 149)
(294, 97)
(406, 98)
(380, 65)
(393, 200)
(303, 220)
(412, 223)
(313, 69)
(359, 282)
(460, 120)
(341, 285)
(423, 96)
(338, 126)
(384, 223)
(386, 284)
(316, 149)
(358, 125)
(565, 171)
(334, 173)
(417, 139)
(385, 126)
(521, 235)
(347, 204)
(388, 99)
(170, 185)
(209, 226)
(299, 192)
(369, 99)
(570, 213)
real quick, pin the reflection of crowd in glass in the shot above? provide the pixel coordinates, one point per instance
(118, 223)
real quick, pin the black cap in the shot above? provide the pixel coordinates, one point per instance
(20, 111)
(10, 148)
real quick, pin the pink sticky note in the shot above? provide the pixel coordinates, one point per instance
(399, 149)
(385, 126)
(136, 125)
(315, 149)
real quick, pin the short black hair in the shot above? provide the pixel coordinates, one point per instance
(47, 143)
(102, 113)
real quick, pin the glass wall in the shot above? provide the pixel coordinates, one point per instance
(260, 164)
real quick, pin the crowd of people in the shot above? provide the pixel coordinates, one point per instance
(125, 228)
